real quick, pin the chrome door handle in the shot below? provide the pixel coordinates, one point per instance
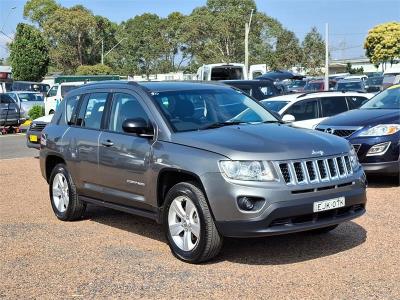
(107, 143)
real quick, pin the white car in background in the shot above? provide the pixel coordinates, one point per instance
(356, 77)
(306, 110)
(56, 94)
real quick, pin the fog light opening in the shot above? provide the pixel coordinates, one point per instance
(245, 203)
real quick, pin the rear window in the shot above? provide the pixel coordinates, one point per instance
(226, 73)
(349, 86)
(26, 97)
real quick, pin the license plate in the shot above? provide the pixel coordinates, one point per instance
(33, 138)
(329, 204)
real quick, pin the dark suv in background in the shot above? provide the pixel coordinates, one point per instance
(180, 153)
(373, 130)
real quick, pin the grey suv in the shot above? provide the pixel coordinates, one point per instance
(179, 153)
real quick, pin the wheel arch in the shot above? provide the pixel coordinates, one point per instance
(51, 161)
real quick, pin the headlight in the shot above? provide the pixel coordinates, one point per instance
(247, 170)
(383, 129)
(354, 159)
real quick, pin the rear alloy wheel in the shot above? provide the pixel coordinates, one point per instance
(189, 226)
(64, 198)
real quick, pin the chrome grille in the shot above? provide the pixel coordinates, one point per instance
(315, 170)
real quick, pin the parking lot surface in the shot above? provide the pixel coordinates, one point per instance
(110, 254)
(14, 146)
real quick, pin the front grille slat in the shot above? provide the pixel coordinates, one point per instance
(315, 170)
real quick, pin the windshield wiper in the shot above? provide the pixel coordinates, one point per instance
(274, 121)
(222, 124)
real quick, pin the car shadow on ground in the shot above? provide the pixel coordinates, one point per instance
(375, 181)
(276, 250)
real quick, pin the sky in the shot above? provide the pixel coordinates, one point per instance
(349, 20)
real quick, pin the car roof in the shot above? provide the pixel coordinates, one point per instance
(301, 96)
(349, 80)
(158, 86)
(249, 82)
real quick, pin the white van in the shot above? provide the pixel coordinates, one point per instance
(231, 71)
(56, 94)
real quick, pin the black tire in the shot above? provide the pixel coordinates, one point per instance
(76, 208)
(324, 229)
(210, 241)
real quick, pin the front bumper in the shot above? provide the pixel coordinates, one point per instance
(295, 216)
(384, 168)
(285, 209)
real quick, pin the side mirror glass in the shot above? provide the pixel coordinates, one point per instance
(138, 126)
(288, 118)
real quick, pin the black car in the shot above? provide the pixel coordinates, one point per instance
(374, 131)
(258, 89)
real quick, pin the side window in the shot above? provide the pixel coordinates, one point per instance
(70, 107)
(356, 101)
(91, 111)
(53, 91)
(333, 105)
(304, 110)
(6, 99)
(124, 107)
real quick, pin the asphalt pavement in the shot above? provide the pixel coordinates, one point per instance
(14, 146)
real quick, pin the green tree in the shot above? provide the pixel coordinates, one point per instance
(36, 111)
(313, 52)
(382, 44)
(98, 69)
(39, 11)
(70, 32)
(29, 55)
(288, 52)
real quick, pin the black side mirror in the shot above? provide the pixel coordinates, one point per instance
(138, 126)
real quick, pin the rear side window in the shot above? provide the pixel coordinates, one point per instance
(333, 105)
(356, 101)
(304, 110)
(70, 108)
(91, 110)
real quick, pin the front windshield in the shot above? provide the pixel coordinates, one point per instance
(388, 99)
(201, 109)
(349, 86)
(375, 80)
(30, 97)
(274, 105)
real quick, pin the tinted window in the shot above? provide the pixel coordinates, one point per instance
(92, 110)
(53, 91)
(304, 110)
(124, 107)
(356, 101)
(349, 86)
(333, 105)
(226, 73)
(313, 86)
(25, 97)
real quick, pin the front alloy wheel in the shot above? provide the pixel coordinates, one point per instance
(183, 223)
(188, 223)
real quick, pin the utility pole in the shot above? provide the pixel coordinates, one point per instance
(102, 51)
(326, 82)
(246, 43)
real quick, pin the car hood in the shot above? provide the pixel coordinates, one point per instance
(364, 117)
(263, 142)
(44, 119)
